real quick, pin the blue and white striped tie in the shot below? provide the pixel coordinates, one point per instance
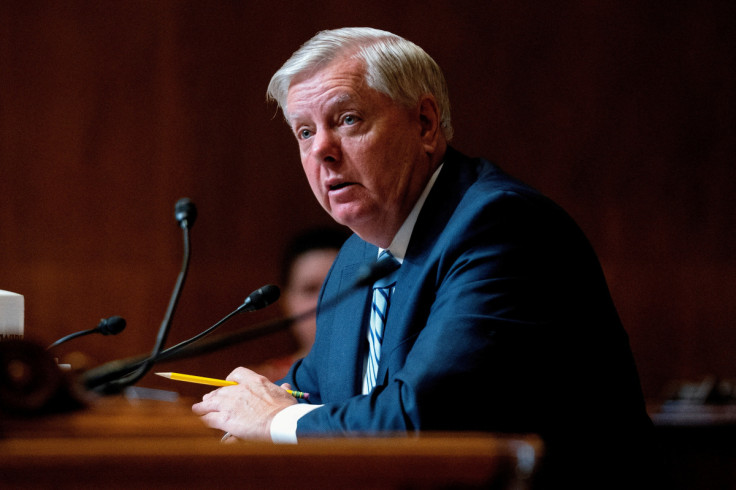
(382, 290)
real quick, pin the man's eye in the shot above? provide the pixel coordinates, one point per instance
(350, 120)
(305, 134)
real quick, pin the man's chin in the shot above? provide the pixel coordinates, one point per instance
(348, 214)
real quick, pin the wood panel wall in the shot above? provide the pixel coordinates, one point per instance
(110, 111)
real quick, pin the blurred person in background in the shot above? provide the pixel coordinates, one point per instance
(305, 264)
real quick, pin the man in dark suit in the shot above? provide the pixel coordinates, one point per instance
(498, 318)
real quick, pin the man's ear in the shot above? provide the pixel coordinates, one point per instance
(429, 118)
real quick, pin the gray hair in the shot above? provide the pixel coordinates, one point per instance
(394, 66)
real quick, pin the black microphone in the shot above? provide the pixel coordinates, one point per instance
(258, 299)
(107, 326)
(367, 275)
(185, 213)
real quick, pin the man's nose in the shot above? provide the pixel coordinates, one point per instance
(326, 146)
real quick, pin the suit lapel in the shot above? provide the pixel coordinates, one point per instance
(436, 212)
(348, 328)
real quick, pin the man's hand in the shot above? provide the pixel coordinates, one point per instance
(244, 410)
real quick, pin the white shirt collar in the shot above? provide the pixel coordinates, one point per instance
(401, 240)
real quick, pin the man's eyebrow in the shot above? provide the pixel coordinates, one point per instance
(293, 118)
(337, 101)
(343, 98)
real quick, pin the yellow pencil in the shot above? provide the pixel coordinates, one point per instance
(190, 378)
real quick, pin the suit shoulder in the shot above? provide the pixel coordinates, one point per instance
(481, 190)
(483, 176)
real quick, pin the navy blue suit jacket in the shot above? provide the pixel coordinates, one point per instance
(501, 320)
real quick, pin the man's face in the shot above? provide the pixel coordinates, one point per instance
(363, 154)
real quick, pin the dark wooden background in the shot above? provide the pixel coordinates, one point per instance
(110, 111)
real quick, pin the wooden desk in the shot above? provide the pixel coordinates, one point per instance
(697, 443)
(116, 443)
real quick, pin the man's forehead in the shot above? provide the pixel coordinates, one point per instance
(344, 76)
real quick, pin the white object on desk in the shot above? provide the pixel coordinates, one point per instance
(12, 311)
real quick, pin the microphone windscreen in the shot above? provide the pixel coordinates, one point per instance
(185, 212)
(111, 326)
(262, 297)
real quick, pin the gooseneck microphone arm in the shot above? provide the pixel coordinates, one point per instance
(95, 377)
(185, 214)
(70, 337)
(107, 326)
(367, 275)
(260, 298)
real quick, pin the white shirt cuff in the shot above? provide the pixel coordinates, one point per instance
(283, 425)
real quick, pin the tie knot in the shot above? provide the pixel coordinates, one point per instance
(390, 263)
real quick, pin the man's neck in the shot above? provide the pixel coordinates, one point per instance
(400, 241)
